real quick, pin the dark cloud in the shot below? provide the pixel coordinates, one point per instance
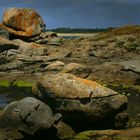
(81, 13)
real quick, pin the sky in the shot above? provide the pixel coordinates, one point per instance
(81, 13)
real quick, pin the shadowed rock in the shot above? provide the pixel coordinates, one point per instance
(131, 65)
(55, 66)
(4, 32)
(77, 69)
(27, 116)
(6, 44)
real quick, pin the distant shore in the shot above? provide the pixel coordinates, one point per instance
(77, 34)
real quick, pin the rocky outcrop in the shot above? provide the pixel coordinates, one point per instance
(77, 69)
(26, 117)
(55, 66)
(6, 44)
(23, 22)
(121, 73)
(11, 65)
(131, 65)
(30, 49)
(129, 134)
(81, 100)
(45, 38)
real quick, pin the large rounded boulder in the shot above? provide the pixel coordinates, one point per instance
(27, 116)
(81, 100)
(24, 22)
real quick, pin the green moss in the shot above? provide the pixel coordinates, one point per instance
(18, 83)
(23, 84)
(4, 83)
(126, 90)
(99, 134)
(84, 135)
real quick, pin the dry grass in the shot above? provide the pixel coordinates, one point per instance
(131, 29)
(124, 30)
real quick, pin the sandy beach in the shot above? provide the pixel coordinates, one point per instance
(77, 34)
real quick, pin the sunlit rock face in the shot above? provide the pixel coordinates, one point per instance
(24, 22)
(83, 101)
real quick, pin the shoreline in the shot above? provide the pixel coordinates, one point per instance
(77, 34)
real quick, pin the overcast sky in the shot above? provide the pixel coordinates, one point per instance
(81, 13)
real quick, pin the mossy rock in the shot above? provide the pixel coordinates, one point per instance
(98, 135)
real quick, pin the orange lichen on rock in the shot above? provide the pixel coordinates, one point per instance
(23, 22)
(69, 86)
(3, 26)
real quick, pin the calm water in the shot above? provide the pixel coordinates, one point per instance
(13, 93)
(70, 37)
(4, 100)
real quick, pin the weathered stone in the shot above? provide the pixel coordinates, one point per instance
(115, 72)
(45, 38)
(28, 116)
(74, 97)
(56, 41)
(34, 59)
(98, 135)
(30, 49)
(55, 66)
(128, 134)
(6, 44)
(4, 32)
(23, 22)
(68, 86)
(11, 65)
(131, 65)
(64, 131)
(49, 34)
(42, 41)
(77, 69)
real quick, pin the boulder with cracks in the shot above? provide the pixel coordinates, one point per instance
(82, 101)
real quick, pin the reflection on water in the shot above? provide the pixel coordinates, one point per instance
(8, 94)
(4, 100)
(70, 37)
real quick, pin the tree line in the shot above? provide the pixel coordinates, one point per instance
(79, 30)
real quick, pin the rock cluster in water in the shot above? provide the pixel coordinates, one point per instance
(64, 68)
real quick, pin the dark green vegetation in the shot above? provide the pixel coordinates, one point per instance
(79, 30)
